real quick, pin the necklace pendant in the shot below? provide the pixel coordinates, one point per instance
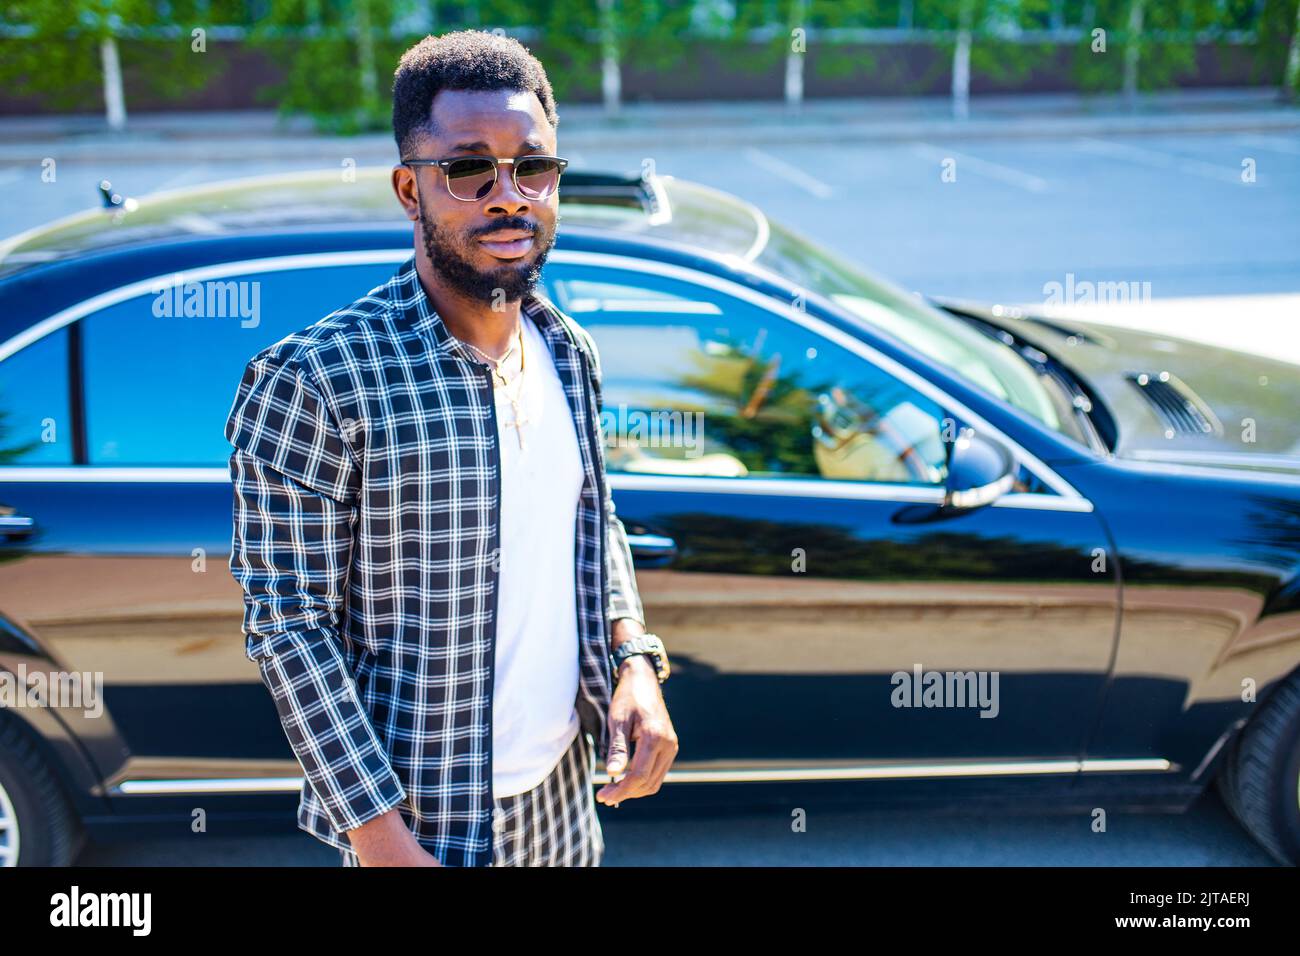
(519, 424)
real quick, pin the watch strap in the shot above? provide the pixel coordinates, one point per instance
(648, 644)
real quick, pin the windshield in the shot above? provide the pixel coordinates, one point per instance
(948, 340)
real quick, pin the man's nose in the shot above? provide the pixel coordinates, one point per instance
(505, 196)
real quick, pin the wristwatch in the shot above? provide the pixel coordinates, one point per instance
(647, 644)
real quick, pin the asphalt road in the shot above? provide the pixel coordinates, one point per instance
(1170, 210)
(1204, 836)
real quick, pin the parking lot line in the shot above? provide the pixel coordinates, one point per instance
(1272, 144)
(1003, 174)
(1155, 159)
(792, 174)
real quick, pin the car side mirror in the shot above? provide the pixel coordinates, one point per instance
(980, 471)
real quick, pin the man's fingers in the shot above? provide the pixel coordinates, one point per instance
(665, 754)
(642, 762)
(616, 759)
(649, 763)
(625, 788)
(634, 783)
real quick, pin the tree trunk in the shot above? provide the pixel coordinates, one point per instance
(794, 56)
(114, 98)
(793, 80)
(1131, 51)
(366, 59)
(1291, 79)
(611, 74)
(961, 62)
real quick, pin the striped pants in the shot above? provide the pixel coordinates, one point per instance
(554, 824)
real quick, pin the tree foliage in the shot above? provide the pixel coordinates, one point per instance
(53, 48)
(338, 55)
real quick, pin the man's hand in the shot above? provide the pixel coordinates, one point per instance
(387, 841)
(637, 713)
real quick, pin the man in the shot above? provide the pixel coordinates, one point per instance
(434, 575)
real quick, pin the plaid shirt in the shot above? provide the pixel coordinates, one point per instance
(366, 479)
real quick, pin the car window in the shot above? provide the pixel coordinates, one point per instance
(161, 369)
(35, 427)
(987, 363)
(699, 383)
(705, 217)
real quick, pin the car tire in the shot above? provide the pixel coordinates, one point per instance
(1260, 780)
(36, 818)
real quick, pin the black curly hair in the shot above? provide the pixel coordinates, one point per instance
(463, 60)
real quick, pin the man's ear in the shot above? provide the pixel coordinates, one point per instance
(406, 189)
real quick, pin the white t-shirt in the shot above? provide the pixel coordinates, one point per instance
(534, 720)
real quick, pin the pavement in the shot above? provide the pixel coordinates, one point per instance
(261, 134)
(1206, 835)
(1046, 187)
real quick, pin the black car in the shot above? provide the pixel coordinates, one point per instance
(910, 553)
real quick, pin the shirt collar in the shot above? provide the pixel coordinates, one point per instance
(409, 298)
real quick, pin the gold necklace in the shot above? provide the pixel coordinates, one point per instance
(519, 420)
(496, 363)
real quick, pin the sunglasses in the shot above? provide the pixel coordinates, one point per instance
(470, 178)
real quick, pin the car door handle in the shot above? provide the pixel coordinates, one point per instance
(16, 525)
(652, 547)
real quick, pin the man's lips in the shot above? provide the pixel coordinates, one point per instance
(508, 244)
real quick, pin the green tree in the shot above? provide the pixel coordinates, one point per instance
(985, 37)
(589, 44)
(331, 51)
(67, 49)
(12, 454)
(340, 55)
(1135, 45)
(798, 33)
(1290, 88)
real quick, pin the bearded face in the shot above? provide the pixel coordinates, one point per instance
(455, 257)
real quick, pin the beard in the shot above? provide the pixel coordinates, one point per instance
(508, 282)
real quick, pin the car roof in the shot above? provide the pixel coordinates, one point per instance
(662, 207)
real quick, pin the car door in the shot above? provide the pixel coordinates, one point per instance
(780, 485)
(126, 573)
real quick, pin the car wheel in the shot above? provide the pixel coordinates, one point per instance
(1260, 781)
(37, 824)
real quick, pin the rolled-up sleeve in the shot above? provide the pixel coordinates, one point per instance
(295, 493)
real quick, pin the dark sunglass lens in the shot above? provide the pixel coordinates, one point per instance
(471, 178)
(537, 177)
